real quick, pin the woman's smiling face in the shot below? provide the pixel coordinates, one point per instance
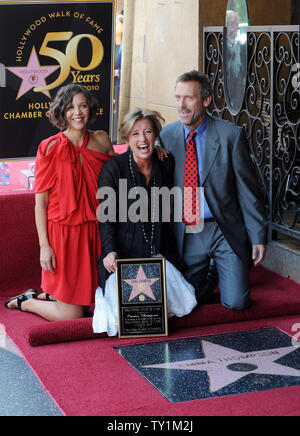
(142, 140)
(77, 114)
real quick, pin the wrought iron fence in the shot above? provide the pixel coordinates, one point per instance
(270, 114)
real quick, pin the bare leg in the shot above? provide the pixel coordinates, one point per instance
(51, 310)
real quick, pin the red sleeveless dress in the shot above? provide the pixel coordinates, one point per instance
(70, 174)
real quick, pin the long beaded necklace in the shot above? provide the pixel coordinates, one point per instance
(149, 242)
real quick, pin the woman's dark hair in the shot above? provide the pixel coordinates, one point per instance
(63, 101)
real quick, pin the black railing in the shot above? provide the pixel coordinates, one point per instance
(270, 114)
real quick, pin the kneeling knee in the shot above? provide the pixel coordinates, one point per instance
(237, 304)
(69, 312)
(237, 301)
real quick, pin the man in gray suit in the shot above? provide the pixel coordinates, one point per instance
(235, 229)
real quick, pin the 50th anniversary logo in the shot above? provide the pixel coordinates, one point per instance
(47, 46)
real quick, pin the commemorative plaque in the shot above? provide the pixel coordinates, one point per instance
(142, 298)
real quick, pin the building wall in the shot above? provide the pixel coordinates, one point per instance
(165, 42)
(164, 39)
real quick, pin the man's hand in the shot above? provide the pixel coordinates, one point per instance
(162, 153)
(258, 254)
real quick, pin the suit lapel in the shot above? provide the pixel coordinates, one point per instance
(212, 145)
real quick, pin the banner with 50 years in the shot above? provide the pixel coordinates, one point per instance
(44, 46)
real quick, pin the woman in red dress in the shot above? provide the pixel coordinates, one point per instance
(66, 174)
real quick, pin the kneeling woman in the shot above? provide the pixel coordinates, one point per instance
(138, 168)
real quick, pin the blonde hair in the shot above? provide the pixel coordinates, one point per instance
(137, 114)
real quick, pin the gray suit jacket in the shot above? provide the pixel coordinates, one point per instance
(230, 183)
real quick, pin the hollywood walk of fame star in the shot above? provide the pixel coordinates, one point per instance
(225, 366)
(141, 285)
(33, 75)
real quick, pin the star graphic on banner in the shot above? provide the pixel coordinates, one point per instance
(33, 75)
(141, 285)
(225, 366)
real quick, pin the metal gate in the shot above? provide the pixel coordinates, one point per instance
(270, 113)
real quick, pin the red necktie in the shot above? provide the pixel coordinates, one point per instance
(191, 180)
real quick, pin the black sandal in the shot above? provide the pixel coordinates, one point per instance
(23, 297)
(47, 297)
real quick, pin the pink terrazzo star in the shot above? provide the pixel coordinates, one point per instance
(222, 364)
(141, 285)
(33, 75)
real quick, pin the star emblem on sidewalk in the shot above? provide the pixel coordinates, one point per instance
(141, 286)
(33, 75)
(225, 366)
